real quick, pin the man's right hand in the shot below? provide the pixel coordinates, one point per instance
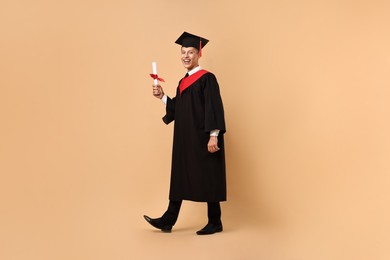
(158, 92)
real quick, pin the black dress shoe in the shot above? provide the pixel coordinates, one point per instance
(210, 229)
(159, 224)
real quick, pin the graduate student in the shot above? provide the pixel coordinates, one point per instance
(198, 157)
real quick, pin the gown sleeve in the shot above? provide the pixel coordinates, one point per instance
(214, 113)
(170, 110)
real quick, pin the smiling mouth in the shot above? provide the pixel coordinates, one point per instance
(186, 61)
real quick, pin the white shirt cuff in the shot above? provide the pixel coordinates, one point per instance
(214, 132)
(164, 99)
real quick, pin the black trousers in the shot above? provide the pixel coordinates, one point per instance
(172, 213)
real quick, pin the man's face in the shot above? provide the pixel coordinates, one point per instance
(189, 57)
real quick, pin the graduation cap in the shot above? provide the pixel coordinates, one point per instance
(191, 40)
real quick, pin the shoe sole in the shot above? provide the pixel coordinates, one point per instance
(202, 234)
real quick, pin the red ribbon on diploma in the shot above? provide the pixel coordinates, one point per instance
(155, 76)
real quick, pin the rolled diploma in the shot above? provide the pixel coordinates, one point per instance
(154, 67)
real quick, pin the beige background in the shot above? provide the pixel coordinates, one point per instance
(84, 153)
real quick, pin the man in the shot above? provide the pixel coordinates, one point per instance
(198, 157)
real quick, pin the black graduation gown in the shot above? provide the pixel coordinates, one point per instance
(197, 174)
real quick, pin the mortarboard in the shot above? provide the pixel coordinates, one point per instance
(191, 40)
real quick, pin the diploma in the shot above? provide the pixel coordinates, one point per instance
(154, 75)
(154, 69)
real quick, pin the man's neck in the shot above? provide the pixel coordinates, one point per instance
(196, 69)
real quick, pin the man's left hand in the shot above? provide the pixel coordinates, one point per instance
(212, 146)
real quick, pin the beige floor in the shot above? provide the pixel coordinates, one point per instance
(112, 231)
